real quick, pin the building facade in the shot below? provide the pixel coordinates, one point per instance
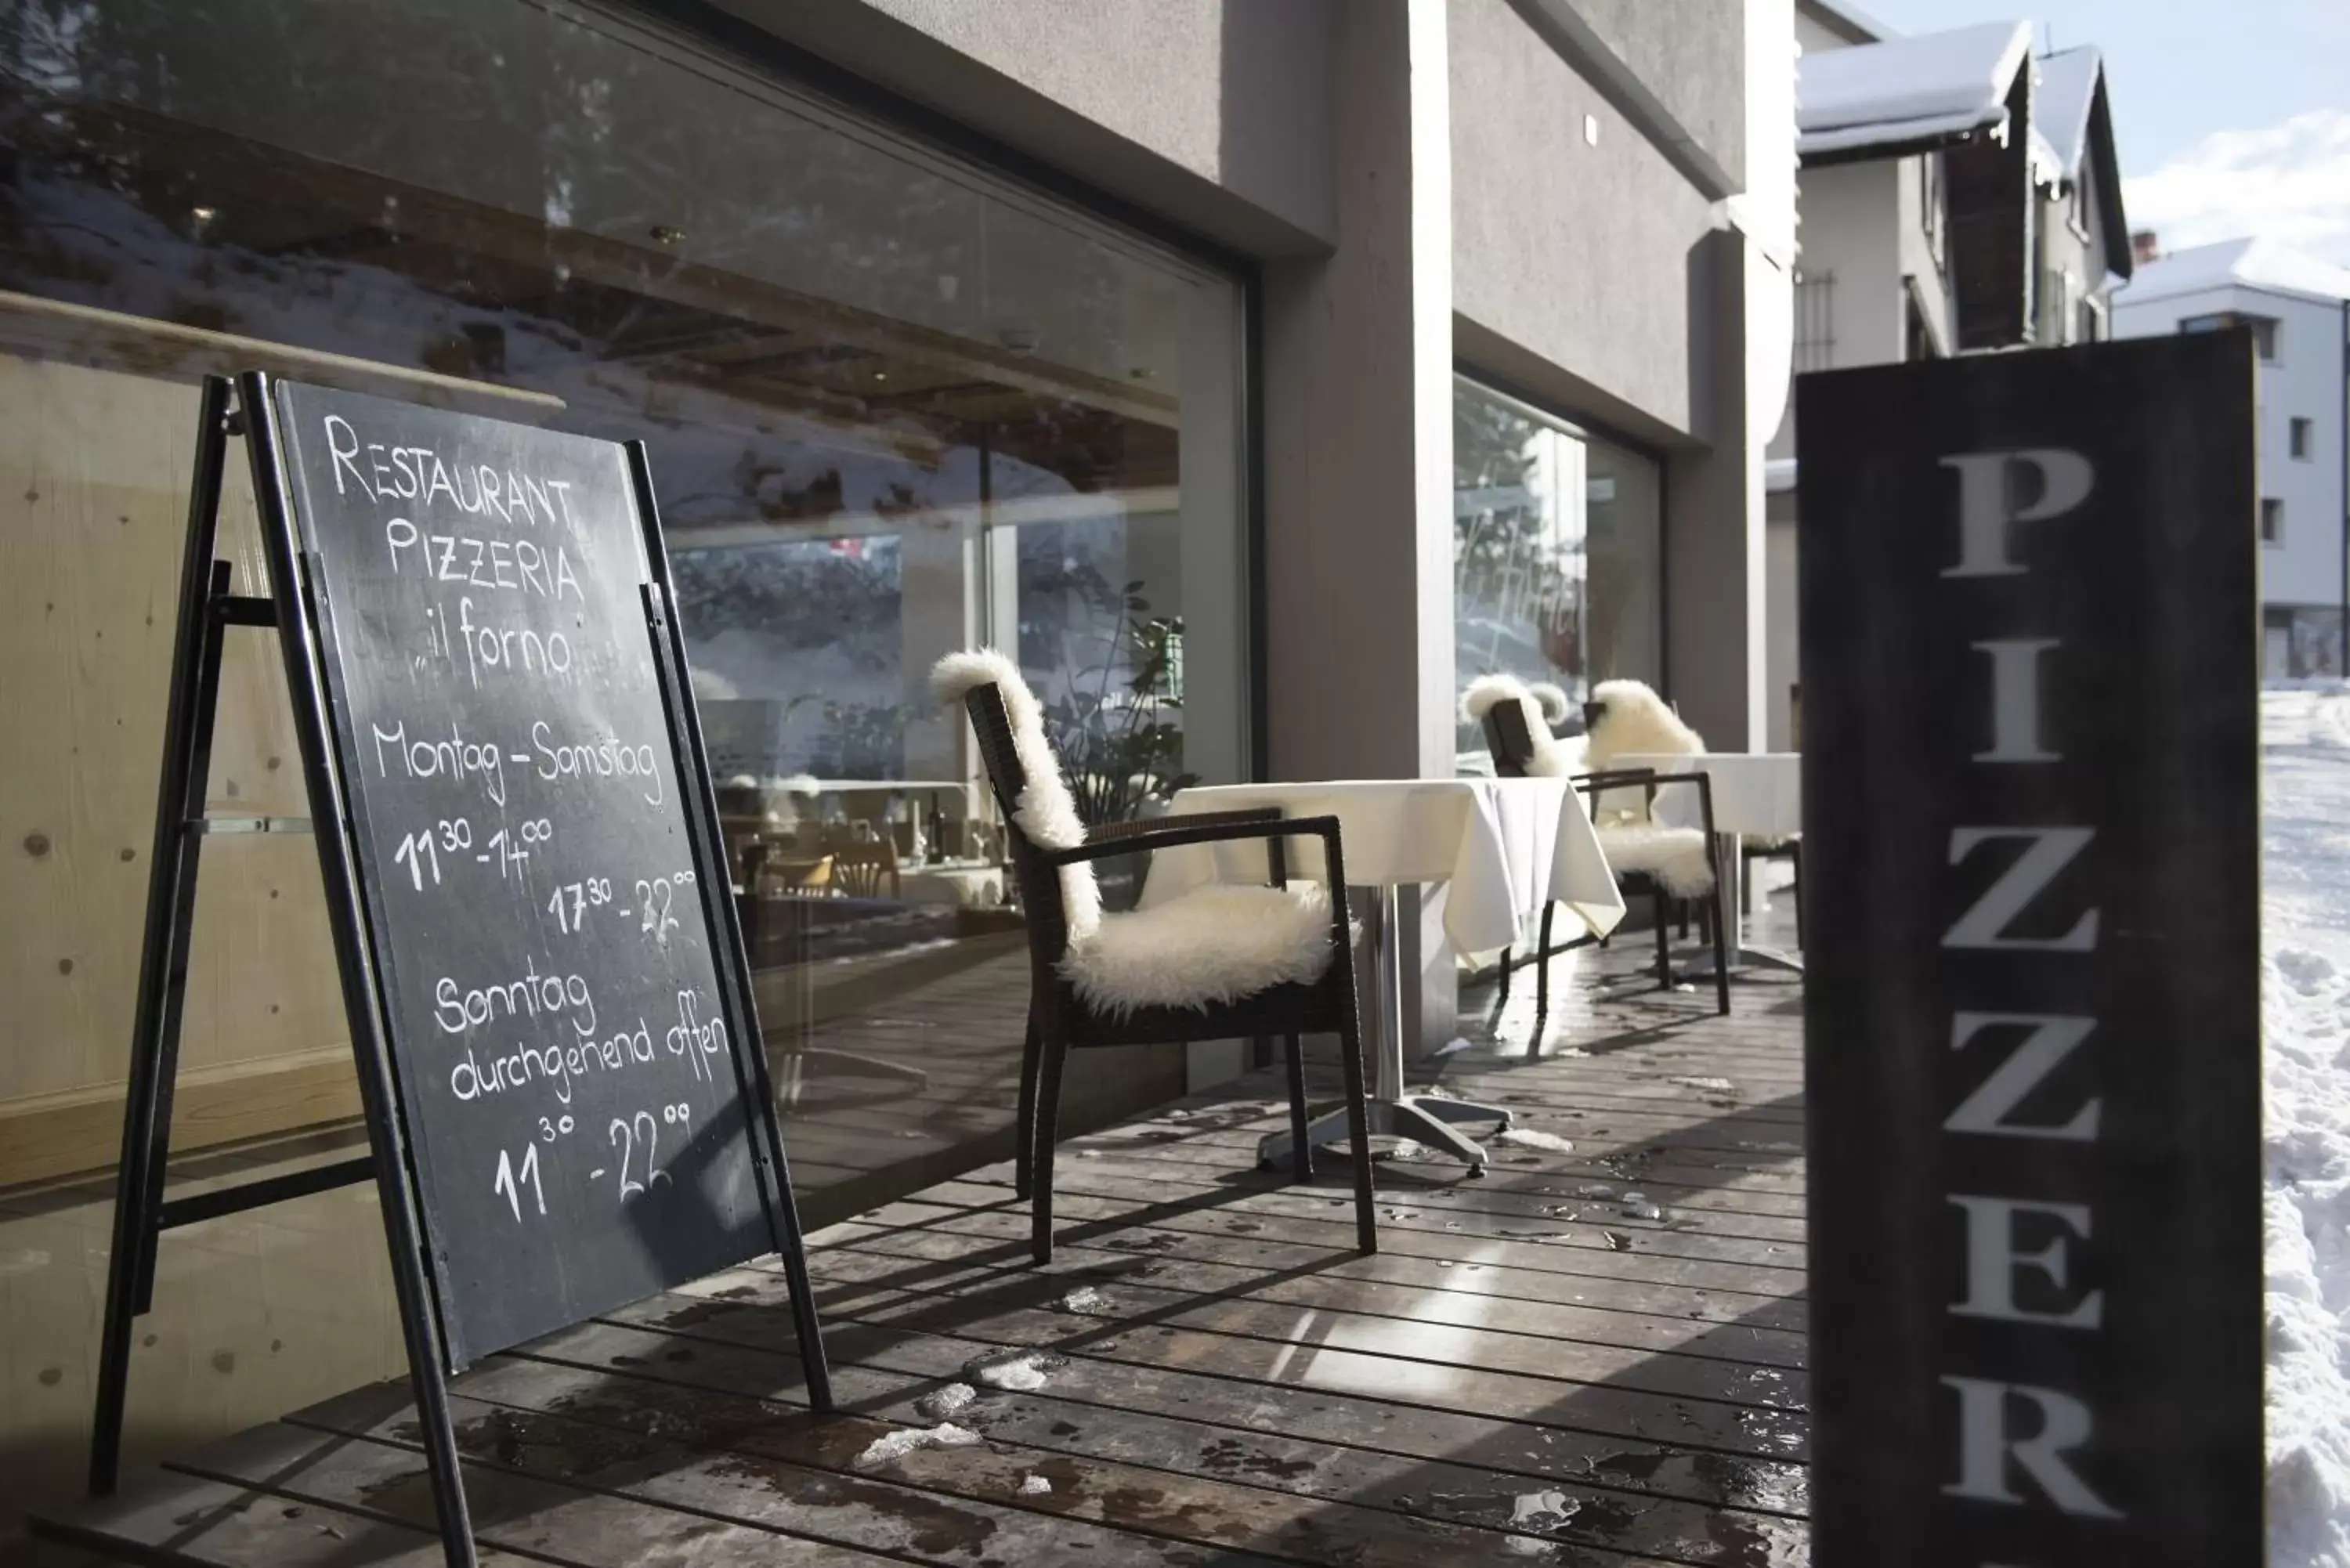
(1256, 371)
(2298, 311)
(1956, 194)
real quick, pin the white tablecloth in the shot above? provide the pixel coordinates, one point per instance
(1503, 846)
(1756, 794)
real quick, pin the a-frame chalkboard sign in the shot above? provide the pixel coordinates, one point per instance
(566, 1096)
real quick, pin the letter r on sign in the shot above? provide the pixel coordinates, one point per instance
(1985, 1447)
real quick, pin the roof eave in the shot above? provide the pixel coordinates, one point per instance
(2121, 258)
(1899, 144)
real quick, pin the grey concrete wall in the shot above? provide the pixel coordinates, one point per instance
(1358, 438)
(1691, 55)
(1714, 566)
(1215, 113)
(1576, 258)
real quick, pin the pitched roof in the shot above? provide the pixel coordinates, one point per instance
(2256, 264)
(1908, 90)
(2072, 117)
(2068, 85)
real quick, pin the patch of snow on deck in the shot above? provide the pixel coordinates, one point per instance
(905, 1440)
(2306, 1016)
(1533, 1138)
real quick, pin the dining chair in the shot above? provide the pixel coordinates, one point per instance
(864, 865)
(1662, 862)
(1222, 961)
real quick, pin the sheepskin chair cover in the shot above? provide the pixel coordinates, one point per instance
(1213, 945)
(1046, 810)
(1636, 722)
(1541, 703)
(1675, 856)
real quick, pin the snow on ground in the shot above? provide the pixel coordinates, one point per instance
(2305, 994)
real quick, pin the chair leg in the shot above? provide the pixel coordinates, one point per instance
(1024, 1130)
(1302, 1154)
(1722, 926)
(1358, 1131)
(1662, 910)
(1503, 999)
(1542, 970)
(1795, 890)
(1684, 918)
(1048, 1117)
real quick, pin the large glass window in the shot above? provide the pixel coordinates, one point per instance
(895, 406)
(1555, 553)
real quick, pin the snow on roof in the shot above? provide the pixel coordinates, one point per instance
(2236, 263)
(2060, 103)
(1908, 88)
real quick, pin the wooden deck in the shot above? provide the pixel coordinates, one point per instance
(1593, 1355)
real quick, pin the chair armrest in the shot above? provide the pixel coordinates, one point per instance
(1175, 832)
(1623, 778)
(1596, 784)
(1126, 831)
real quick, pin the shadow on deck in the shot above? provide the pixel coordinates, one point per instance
(1593, 1355)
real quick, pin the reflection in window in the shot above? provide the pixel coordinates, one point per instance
(894, 407)
(1555, 552)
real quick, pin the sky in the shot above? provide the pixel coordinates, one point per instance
(2230, 120)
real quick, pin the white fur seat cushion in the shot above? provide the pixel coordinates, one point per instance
(1675, 856)
(1215, 945)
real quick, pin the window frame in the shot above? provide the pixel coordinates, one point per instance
(2300, 438)
(2272, 520)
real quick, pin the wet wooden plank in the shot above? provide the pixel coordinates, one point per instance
(1240, 1383)
(1087, 1413)
(1267, 1330)
(1196, 1507)
(1525, 1216)
(1705, 1401)
(1466, 1337)
(1083, 1217)
(1473, 1268)
(1753, 1183)
(1529, 1195)
(391, 1481)
(166, 1517)
(1306, 1277)
(1605, 1140)
(759, 1478)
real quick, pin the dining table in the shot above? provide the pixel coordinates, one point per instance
(1501, 849)
(1756, 794)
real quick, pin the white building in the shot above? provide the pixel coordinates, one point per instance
(1956, 194)
(2299, 311)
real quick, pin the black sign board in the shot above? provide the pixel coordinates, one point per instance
(566, 1095)
(2031, 878)
(568, 1070)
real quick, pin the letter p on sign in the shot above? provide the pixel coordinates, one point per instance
(1994, 487)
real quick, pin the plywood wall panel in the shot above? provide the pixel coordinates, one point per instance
(94, 469)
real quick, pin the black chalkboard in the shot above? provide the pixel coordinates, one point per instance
(574, 1084)
(2030, 626)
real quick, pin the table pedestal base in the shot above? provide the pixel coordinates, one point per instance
(1744, 958)
(1422, 1119)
